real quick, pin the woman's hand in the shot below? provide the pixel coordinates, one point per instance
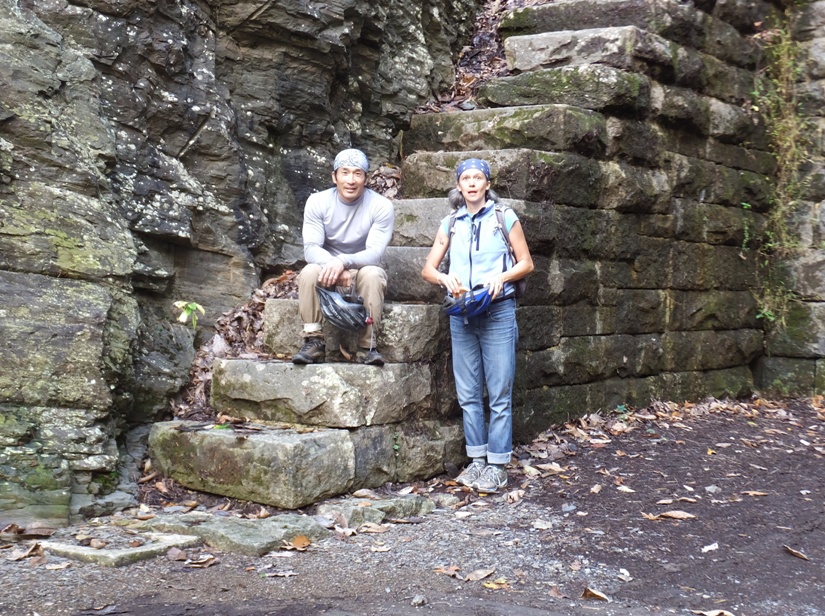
(494, 286)
(452, 284)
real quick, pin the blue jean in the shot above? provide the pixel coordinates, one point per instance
(484, 354)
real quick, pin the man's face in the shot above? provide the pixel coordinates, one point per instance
(351, 183)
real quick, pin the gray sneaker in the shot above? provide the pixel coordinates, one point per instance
(313, 352)
(491, 479)
(471, 474)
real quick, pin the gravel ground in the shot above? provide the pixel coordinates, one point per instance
(569, 531)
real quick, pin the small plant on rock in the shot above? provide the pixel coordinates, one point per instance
(189, 310)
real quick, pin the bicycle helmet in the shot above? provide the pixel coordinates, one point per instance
(345, 313)
(470, 304)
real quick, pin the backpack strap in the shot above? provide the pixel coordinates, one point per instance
(501, 224)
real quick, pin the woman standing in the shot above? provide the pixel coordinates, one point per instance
(484, 344)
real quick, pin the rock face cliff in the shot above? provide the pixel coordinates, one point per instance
(158, 150)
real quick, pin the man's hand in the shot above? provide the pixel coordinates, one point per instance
(331, 272)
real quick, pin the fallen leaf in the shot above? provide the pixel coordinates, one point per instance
(39, 529)
(556, 593)
(596, 489)
(57, 567)
(176, 554)
(674, 515)
(553, 467)
(379, 548)
(367, 494)
(83, 540)
(37, 561)
(206, 560)
(589, 593)
(796, 553)
(20, 554)
(407, 490)
(531, 472)
(712, 613)
(677, 515)
(372, 527)
(625, 489)
(497, 584)
(479, 574)
(299, 543)
(98, 544)
(452, 570)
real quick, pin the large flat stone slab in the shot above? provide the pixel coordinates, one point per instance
(591, 86)
(556, 177)
(239, 536)
(160, 544)
(676, 21)
(632, 49)
(539, 127)
(283, 468)
(408, 332)
(330, 395)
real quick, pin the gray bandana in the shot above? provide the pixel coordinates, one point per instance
(351, 158)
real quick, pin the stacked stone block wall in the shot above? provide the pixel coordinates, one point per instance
(794, 363)
(624, 137)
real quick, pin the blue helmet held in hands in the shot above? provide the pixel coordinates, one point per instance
(470, 304)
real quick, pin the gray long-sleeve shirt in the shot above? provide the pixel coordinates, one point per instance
(358, 233)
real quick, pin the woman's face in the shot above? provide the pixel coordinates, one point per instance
(473, 185)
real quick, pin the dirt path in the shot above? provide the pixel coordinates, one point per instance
(587, 509)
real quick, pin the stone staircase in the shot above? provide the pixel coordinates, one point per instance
(326, 429)
(619, 140)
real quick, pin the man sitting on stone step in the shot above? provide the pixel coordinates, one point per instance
(346, 231)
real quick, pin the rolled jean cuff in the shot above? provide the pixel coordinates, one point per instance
(313, 328)
(476, 451)
(498, 458)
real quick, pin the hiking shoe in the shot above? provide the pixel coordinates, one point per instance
(471, 474)
(313, 352)
(491, 479)
(370, 357)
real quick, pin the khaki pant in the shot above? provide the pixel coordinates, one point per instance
(370, 283)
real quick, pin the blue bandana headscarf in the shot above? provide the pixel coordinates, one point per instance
(473, 163)
(351, 158)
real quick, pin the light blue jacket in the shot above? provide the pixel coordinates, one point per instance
(477, 249)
